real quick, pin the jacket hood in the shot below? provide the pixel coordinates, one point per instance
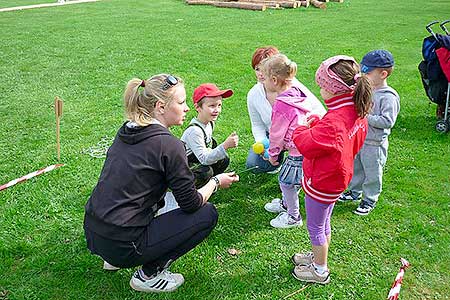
(387, 90)
(135, 135)
(294, 97)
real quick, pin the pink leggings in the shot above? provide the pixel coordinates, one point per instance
(318, 216)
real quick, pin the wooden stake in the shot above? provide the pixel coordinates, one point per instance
(58, 114)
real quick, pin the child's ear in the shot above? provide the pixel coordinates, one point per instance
(384, 74)
(274, 80)
(197, 107)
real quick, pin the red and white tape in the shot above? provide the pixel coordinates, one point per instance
(31, 175)
(395, 289)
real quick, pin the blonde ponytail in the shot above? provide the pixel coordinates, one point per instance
(140, 103)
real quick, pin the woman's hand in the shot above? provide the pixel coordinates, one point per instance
(227, 179)
(232, 141)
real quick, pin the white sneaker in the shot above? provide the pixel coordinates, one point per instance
(274, 171)
(164, 281)
(275, 206)
(310, 274)
(303, 259)
(109, 267)
(283, 220)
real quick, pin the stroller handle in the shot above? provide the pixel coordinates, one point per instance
(431, 24)
(428, 27)
(442, 25)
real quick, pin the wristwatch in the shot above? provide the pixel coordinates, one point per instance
(216, 180)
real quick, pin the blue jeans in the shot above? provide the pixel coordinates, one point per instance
(264, 166)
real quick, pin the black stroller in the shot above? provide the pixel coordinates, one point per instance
(435, 72)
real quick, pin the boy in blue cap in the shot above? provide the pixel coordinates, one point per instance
(369, 162)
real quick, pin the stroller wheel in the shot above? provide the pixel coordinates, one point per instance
(442, 126)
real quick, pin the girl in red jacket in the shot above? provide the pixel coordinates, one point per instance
(329, 147)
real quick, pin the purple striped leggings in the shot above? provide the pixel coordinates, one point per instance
(318, 216)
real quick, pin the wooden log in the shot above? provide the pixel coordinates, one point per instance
(200, 2)
(304, 3)
(318, 4)
(273, 3)
(268, 3)
(287, 4)
(241, 5)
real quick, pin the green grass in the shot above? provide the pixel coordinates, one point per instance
(86, 53)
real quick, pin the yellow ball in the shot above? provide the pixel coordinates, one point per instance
(258, 147)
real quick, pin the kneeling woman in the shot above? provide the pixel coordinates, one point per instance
(144, 161)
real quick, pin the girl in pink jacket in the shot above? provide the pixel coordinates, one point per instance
(329, 147)
(291, 109)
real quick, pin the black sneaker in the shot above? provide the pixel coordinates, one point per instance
(348, 196)
(363, 209)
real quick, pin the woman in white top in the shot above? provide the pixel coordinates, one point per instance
(259, 104)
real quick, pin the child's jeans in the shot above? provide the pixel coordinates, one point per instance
(264, 166)
(289, 178)
(318, 217)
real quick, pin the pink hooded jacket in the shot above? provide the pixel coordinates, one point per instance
(290, 110)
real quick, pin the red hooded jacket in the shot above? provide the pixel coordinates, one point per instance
(329, 148)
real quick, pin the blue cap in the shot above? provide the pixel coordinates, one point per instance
(376, 59)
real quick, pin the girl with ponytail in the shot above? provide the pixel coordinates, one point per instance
(124, 223)
(329, 147)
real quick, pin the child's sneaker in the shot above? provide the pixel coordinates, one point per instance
(109, 267)
(275, 206)
(302, 259)
(348, 196)
(275, 171)
(164, 281)
(363, 209)
(283, 220)
(309, 274)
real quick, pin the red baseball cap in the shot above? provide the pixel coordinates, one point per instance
(209, 90)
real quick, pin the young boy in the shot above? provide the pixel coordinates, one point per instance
(369, 162)
(205, 157)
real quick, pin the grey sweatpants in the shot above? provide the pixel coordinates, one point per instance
(368, 172)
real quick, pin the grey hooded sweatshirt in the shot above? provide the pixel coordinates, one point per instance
(386, 106)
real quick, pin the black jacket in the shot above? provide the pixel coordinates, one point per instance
(140, 166)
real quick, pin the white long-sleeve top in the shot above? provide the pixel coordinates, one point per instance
(260, 110)
(194, 140)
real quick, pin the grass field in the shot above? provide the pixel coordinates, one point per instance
(86, 53)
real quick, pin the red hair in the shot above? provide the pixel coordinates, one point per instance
(261, 53)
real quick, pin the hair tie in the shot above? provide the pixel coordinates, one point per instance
(357, 77)
(142, 83)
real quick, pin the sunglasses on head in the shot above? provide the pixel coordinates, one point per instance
(169, 82)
